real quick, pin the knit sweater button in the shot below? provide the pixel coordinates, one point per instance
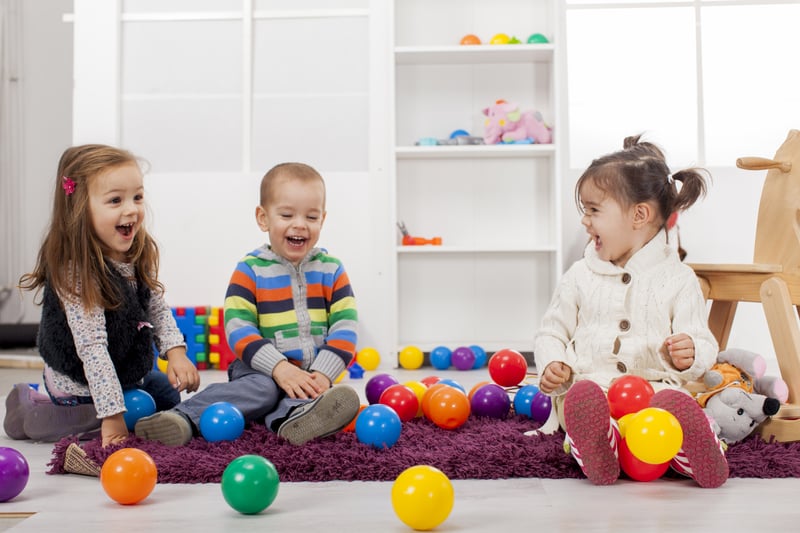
(626, 278)
(622, 367)
(624, 325)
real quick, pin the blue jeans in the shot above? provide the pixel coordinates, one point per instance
(154, 383)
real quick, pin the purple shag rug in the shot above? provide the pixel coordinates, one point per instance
(482, 448)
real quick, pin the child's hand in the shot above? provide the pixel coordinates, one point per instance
(322, 380)
(113, 429)
(182, 374)
(554, 375)
(680, 350)
(296, 382)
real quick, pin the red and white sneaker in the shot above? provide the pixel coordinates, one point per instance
(592, 437)
(702, 456)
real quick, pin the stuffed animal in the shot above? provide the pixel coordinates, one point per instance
(506, 123)
(738, 396)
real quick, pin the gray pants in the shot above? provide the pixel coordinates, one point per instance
(256, 395)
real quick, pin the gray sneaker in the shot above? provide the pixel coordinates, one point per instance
(330, 412)
(167, 427)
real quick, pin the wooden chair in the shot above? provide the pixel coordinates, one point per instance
(773, 279)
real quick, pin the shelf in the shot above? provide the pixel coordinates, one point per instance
(429, 249)
(477, 151)
(473, 54)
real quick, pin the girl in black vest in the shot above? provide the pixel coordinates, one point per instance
(103, 313)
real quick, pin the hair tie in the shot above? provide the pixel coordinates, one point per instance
(68, 185)
(670, 179)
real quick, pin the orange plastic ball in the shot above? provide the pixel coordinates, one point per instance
(352, 425)
(128, 476)
(426, 398)
(449, 408)
(470, 39)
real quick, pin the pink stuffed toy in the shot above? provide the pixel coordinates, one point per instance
(506, 123)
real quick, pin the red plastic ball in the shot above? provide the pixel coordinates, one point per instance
(507, 367)
(637, 469)
(402, 399)
(629, 394)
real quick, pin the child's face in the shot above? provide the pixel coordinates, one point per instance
(293, 217)
(609, 225)
(116, 206)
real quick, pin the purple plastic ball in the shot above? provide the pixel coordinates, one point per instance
(463, 358)
(14, 473)
(491, 400)
(540, 407)
(377, 384)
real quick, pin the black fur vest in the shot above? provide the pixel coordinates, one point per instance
(130, 342)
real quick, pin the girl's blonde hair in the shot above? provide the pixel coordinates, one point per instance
(71, 253)
(639, 173)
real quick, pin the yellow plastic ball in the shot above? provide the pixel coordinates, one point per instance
(368, 358)
(341, 377)
(654, 435)
(500, 38)
(419, 389)
(411, 358)
(162, 365)
(422, 497)
(623, 423)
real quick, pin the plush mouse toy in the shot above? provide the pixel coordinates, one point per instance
(738, 396)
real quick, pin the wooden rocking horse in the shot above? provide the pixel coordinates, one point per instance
(773, 279)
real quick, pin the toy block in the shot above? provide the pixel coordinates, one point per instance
(217, 341)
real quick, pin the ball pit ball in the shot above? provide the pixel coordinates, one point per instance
(411, 358)
(480, 356)
(426, 398)
(221, 421)
(636, 469)
(537, 38)
(14, 473)
(250, 484)
(463, 358)
(654, 435)
(629, 394)
(378, 426)
(491, 401)
(376, 385)
(429, 380)
(368, 358)
(507, 367)
(128, 476)
(470, 39)
(440, 357)
(523, 399)
(402, 399)
(541, 406)
(422, 497)
(419, 389)
(500, 38)
(448, 408)
(351, 427)
(139, 404)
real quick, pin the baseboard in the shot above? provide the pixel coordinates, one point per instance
(18, 335)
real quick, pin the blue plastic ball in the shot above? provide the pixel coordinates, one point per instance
(440, 357)
(523, 399)
(221, 421)
(480, 356)
(139, 404)
(378, 426)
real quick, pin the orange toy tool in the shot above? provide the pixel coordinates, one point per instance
(409, 240)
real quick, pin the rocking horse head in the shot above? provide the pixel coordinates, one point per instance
(778, 230)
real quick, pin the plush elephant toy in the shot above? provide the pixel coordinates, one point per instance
(507, 124)
(739, 396)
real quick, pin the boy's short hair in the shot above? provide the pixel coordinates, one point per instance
(298, 171)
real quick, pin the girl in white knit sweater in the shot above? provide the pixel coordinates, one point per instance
(629, 307)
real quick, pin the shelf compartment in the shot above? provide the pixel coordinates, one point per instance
(478, 151)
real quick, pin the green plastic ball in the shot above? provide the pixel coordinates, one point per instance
(250, 484)
(537, 38)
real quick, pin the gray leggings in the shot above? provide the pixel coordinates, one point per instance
(256, 395)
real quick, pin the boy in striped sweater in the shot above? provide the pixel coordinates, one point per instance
(290, 317)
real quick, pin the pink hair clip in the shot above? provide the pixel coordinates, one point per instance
(68, 185)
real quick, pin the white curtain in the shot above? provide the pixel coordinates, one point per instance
(11, 156)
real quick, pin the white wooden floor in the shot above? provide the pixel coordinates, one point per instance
(77, 503)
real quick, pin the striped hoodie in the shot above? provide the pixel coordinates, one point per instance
(275, 311)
